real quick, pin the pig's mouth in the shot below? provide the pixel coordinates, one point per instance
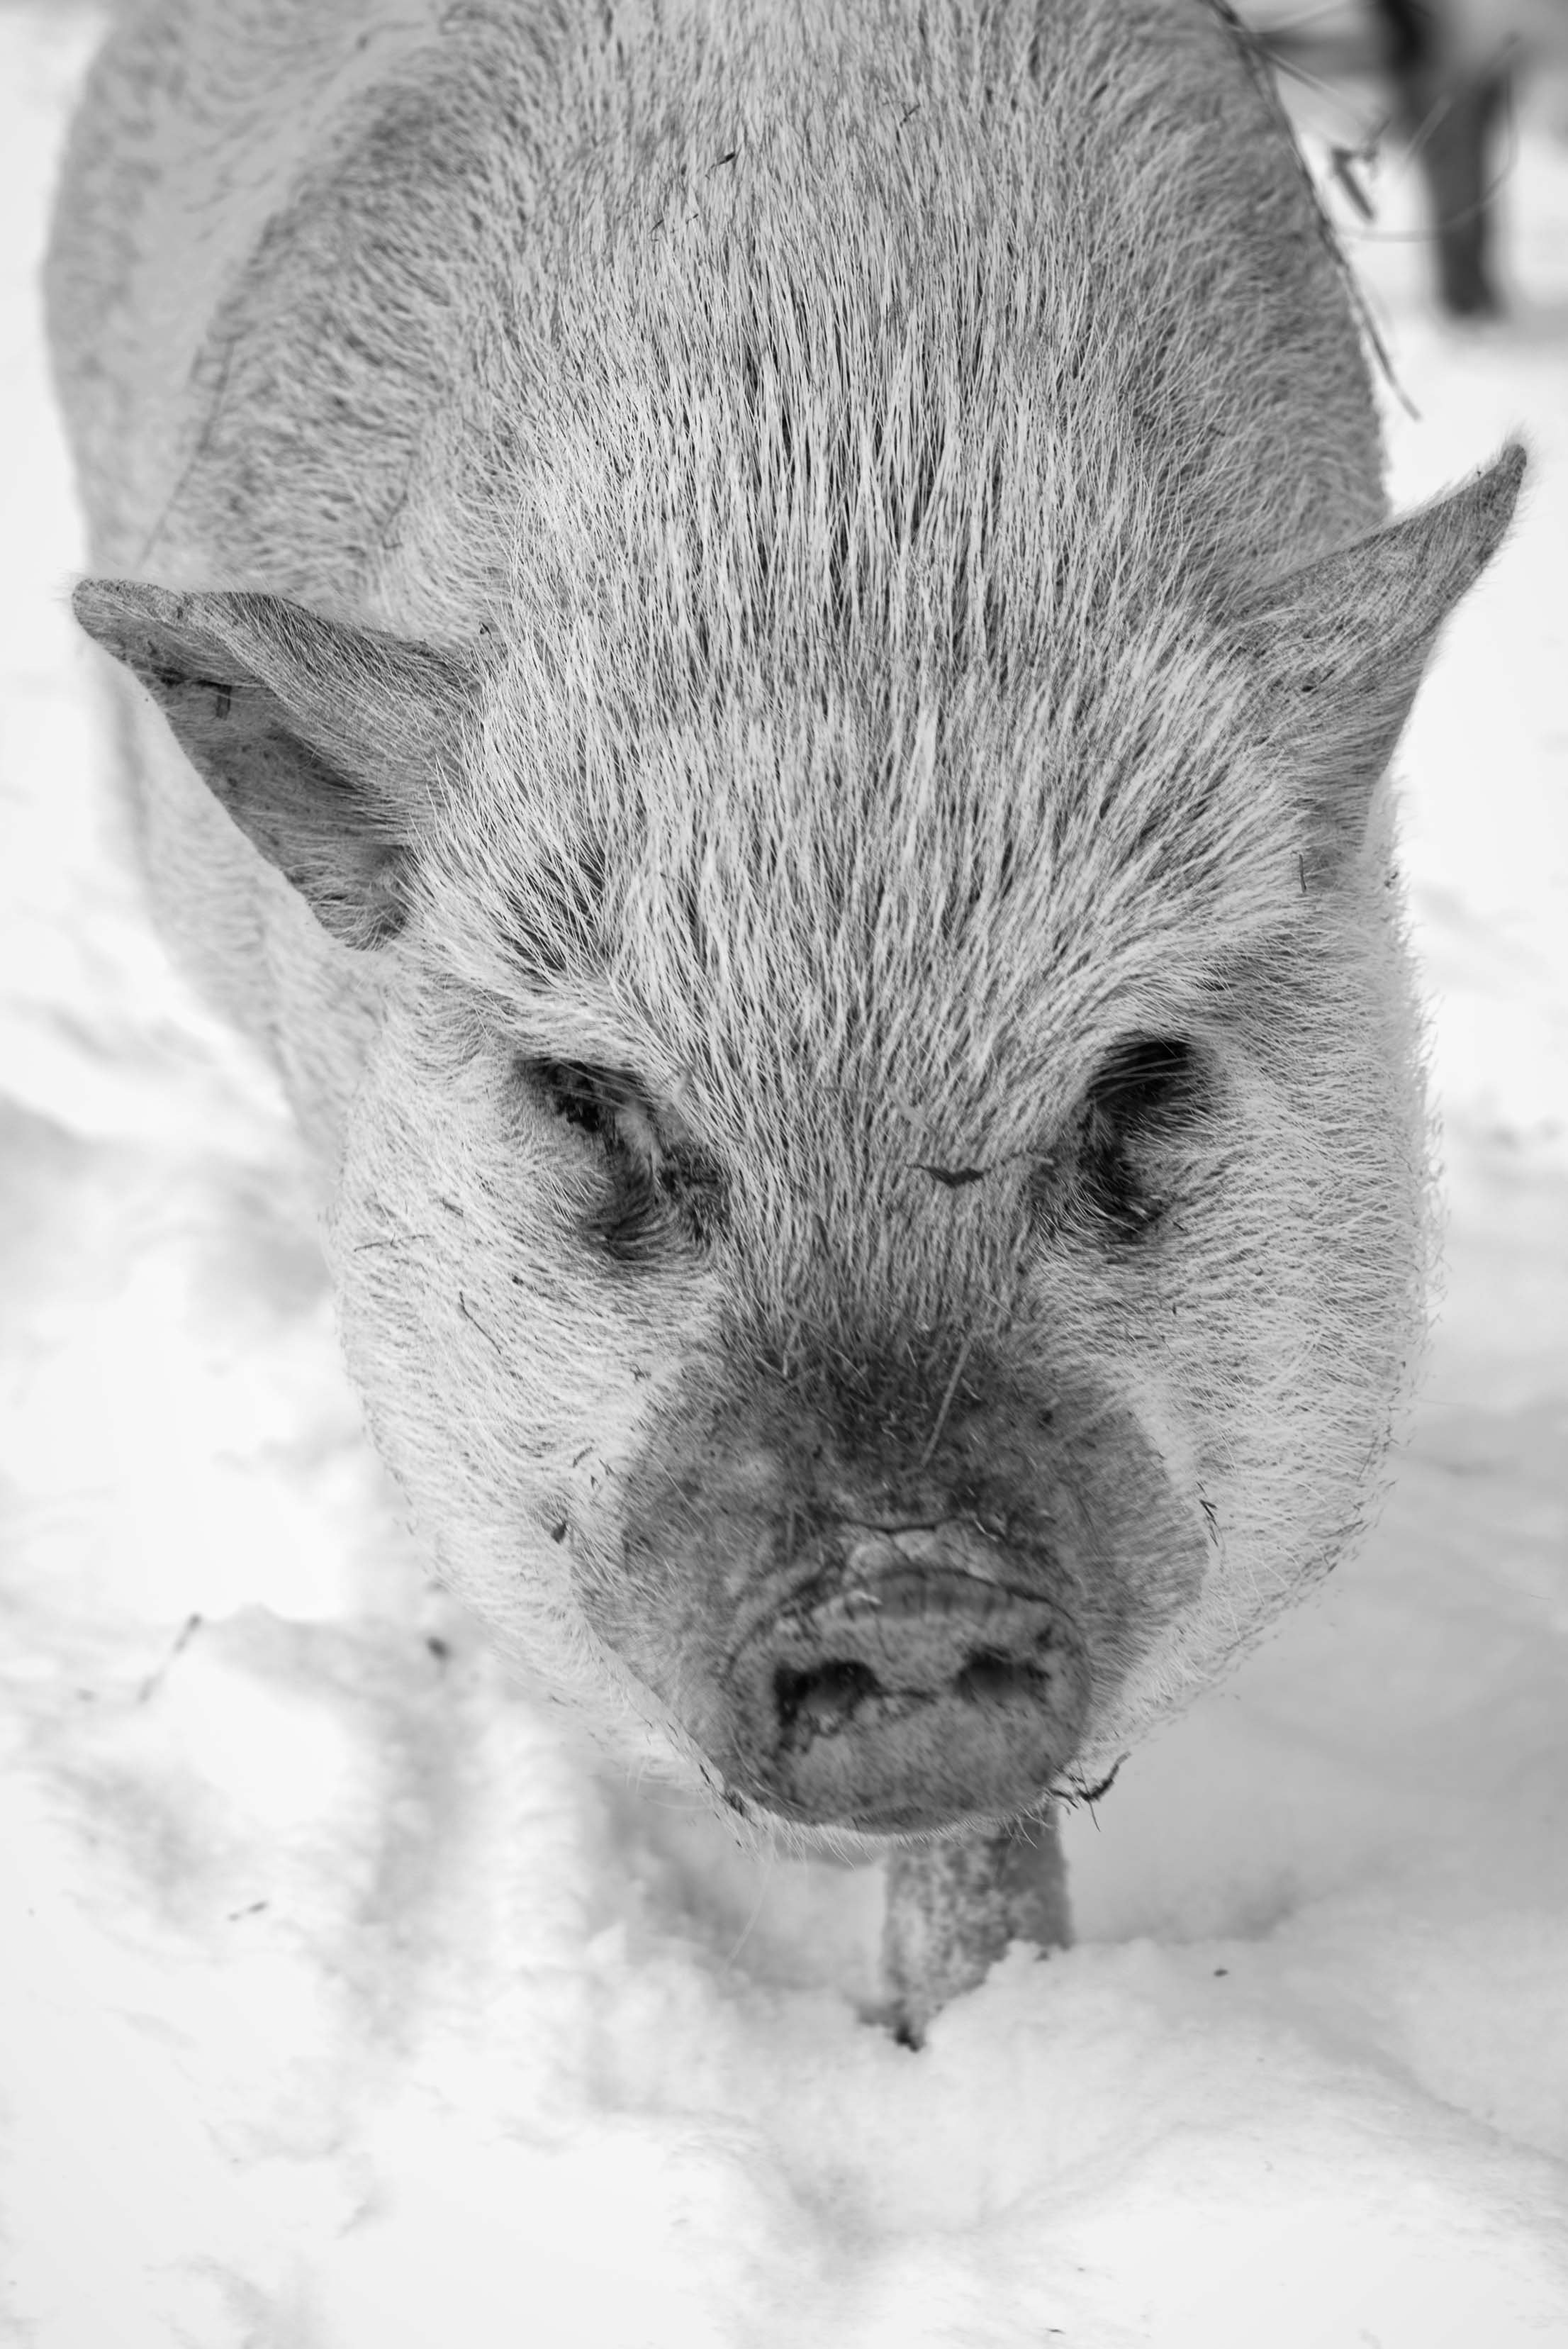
(903, 1692)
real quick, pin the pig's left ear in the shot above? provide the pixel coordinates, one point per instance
(1343, 643)
(320, 741)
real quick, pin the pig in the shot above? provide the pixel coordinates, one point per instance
(760, 645)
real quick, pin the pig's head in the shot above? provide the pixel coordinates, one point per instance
(882, 1230)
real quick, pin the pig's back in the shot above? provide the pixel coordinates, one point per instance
(286, 233)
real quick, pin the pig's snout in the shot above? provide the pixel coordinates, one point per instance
(905, 1692)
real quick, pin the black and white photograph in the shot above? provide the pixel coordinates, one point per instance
(784, 1174)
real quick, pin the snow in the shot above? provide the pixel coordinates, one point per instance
(343, 2006)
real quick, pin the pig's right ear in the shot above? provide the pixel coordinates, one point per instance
(320, 741)
(1342, 644)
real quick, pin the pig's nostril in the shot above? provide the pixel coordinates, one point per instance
(814, 1703)
(825, 1698)
(988, 1678)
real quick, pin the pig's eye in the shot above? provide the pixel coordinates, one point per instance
(1114, 1175)
(1145, 1078)
(656, 1184)
(1142, 1094)
(582, 1096)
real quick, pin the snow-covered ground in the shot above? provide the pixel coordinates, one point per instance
(342, 2008)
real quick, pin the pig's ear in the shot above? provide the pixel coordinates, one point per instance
(320, 741)
(1342, 646)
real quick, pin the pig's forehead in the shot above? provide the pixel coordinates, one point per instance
(929, 882)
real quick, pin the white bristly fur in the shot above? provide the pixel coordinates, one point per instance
(869, 461)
